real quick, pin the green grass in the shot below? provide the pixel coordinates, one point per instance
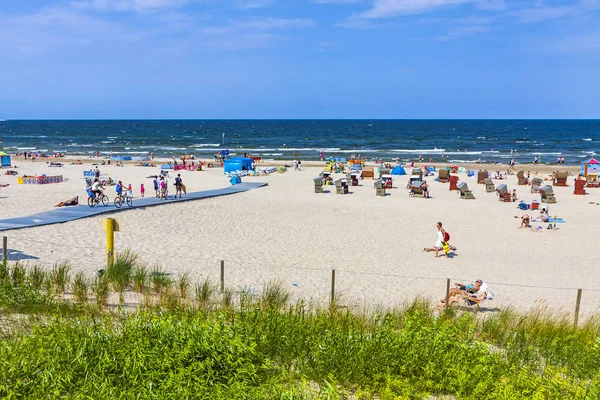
(59, 276)
(264, 347)
(120, 272)
(140, 278)
(36, 276)
(80, 287)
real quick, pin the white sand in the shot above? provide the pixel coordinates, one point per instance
(287, 231)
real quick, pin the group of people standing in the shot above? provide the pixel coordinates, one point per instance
(161, 189)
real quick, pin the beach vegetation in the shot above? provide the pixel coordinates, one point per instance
(266, 346)
(161, 280)
(140, 278)
(101, 289)
(36, 276)
(60, 276)
(80, 287)
(184, 284)
(205, 293)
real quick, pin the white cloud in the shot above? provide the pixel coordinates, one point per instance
(392, 8)
(128, 5)
(251, 4)
(275, 23)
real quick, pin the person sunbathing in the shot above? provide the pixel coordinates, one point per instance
(525, 219)
(469, 298)
(461, 288)
(544, 215)
(73, 202)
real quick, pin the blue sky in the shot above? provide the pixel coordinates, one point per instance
(299, 59)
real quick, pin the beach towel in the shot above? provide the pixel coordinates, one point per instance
(558, 220)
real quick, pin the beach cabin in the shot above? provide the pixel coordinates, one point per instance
(238, 164)
(591, 166)
(4, 160)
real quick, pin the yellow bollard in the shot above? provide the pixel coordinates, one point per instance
(110, 241)
(110, 225)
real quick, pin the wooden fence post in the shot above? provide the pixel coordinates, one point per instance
(222, 276)
(332, 303)
(4, 248)
(447, 293)
(577, 305)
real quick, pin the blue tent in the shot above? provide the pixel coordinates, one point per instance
(398, 170)
(5, 161)
(238, 164)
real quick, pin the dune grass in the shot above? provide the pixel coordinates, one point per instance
(242, 345)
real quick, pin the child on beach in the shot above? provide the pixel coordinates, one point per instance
(129, 193)
(142, 190)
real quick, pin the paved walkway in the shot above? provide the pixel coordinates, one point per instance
(66, 214)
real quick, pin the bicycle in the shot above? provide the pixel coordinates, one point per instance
(120, 199)
(97, 199)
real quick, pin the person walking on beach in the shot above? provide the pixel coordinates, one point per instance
(163, 188)
(155, 182)
(441, 239)
(178, 184)
(142, 190)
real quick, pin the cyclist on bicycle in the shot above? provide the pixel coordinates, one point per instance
(119, 189)
(97, 188)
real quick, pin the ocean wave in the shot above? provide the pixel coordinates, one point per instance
(467, 153)
(481, 137)
(418, 151)
(108, 141)
(523, 141)
(300, 149)
(206, 145)
(361, 151)
(543, 154)
(172, 148)
(587, 140)
(491, 152)
(27, 148)
(271, 154)
(78, 145)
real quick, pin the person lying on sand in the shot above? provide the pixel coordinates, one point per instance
(73, 202)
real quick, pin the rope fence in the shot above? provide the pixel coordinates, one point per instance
(347, 287)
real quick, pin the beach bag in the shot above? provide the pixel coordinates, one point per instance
(445, 247)
(446, 237)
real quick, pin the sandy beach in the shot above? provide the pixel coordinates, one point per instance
(286, 231)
